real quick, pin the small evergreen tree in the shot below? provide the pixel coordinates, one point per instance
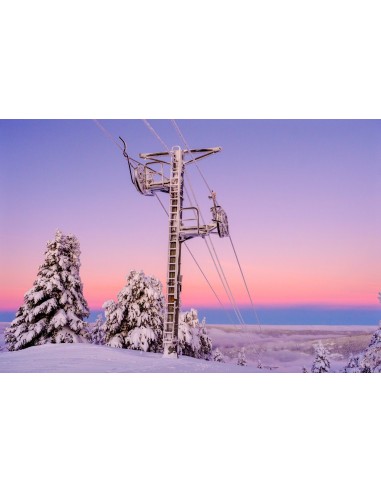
(206, 345)
(321, 362)
(115, 331)
(136, 320)
(353, 364)
(217, 356)
(97, 333)
(54, 308)
(193, 337)
(242, 357)
(304, 369)
(189, 343)
(370, 359)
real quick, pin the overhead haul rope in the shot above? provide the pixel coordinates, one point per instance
(231, 241)
(109, 136)
(156, 135)
(232, 299)
(201, 270)
(222, 275)
(244, 280)
(257, 352)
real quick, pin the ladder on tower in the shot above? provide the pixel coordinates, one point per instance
(174, 252)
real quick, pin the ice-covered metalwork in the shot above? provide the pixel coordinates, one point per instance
(148, 177)
(184, 222)
(219, 216)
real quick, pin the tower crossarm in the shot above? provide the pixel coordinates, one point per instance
(193, 152)
(204, 153)
(210, 150)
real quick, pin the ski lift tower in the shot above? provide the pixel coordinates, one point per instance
(157, 174)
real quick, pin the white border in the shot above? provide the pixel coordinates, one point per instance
(272, 59)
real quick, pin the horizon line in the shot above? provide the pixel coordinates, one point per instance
(311, 305)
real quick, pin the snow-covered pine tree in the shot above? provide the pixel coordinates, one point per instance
(217, 356)
(353, 364)
(321, 362)
(97, 333)
(136, 320)
(193, 337)
(189, 343)
(370, 359)
(242, 357)
(54, 308)
(115, 327)
(206, 345)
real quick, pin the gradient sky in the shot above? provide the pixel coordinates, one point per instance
(303, 200)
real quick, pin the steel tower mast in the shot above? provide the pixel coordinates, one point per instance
(174, 277)
(157, 174)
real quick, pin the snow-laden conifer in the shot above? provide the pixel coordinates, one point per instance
(370, 359)
(353, 364)
(136, 320)
(206, 345)
(97, 332)
(189, 343)
(321, 362)
(242, 357)
(54, 308)
(217, 356)
(193, 337)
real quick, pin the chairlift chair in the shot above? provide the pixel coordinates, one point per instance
(146, 179)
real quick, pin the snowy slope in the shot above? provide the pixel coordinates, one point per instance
(283, 348)
(82, 357)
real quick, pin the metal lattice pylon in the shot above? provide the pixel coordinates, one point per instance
(153, 176)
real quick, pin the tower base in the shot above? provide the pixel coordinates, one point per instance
(170, 351)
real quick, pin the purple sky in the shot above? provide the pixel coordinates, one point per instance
(303, 200)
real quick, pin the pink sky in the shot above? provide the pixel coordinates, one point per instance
(302, 199)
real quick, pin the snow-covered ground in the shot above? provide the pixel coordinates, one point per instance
(279, 348)
(83, 357)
